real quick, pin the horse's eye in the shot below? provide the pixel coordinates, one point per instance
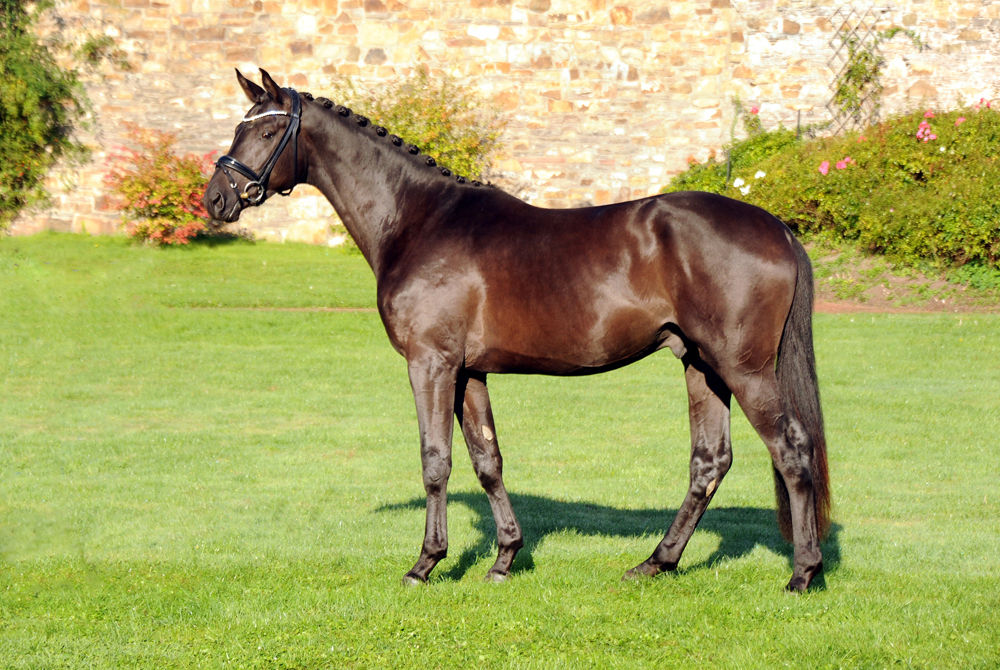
(267, 136)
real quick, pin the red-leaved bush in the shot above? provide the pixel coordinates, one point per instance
(158, 192)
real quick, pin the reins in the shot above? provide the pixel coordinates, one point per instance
(259, 182)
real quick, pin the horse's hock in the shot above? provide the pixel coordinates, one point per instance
(606, 100)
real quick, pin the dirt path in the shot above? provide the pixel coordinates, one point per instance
(851, 307)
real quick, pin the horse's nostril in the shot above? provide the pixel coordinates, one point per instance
(217, 199)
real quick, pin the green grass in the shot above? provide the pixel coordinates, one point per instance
(188, 487)
(849, 273)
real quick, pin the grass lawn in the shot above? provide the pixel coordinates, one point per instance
(188, 482)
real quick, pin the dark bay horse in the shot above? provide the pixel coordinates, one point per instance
(473, 281)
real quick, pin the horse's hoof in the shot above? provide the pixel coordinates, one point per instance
(802, 581)
(641, 571)
(496, 577)
(797, 585)
(412, 580)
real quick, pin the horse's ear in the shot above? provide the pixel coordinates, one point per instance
(253, 91)
(272, 89)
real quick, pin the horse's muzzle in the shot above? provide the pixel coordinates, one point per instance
(221, 202)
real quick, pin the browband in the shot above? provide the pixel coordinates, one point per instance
(273, 112)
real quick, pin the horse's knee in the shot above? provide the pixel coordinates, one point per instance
(436, 471)
(489, 471)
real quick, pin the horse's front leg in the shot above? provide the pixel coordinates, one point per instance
(472, 406)
(433, 377)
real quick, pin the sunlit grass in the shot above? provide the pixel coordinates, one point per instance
(188, 486)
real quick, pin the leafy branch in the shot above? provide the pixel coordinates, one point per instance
(860, 80)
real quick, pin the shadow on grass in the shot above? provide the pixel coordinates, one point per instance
(216, 236)
(740, 529)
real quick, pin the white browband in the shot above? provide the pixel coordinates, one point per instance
(273, 112)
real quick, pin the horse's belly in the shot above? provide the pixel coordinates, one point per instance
(566, 346)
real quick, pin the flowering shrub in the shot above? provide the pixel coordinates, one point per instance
(451, 122)
(158, 192)
(921, 187)
(743, 155)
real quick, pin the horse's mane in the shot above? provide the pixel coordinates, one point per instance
(406, 148)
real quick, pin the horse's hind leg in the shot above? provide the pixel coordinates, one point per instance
(711, 456)
(791, 453)
(476, 416)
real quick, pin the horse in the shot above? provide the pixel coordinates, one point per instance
(472, 281)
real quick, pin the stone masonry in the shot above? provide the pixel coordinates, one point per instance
(606, 100)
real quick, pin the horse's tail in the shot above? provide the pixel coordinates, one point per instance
(796, 371)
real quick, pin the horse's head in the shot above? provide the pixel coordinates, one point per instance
(264, 157)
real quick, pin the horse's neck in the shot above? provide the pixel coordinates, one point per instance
(364, 177)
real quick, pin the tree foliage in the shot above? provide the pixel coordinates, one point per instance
(40, 102)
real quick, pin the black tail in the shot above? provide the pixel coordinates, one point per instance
(796, 371)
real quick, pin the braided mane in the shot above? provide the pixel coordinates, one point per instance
(395, 140)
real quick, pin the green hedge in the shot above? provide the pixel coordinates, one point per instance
(922, 188)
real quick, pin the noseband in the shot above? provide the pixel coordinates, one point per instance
(258, 183)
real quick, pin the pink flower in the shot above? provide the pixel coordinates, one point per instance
(824, 167)
(960, 120)
(841, 165)
(924, 132)
(928, 114)
(754, 110)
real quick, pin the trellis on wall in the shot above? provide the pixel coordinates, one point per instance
(857, 62)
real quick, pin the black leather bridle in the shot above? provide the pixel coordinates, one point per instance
(258, 183)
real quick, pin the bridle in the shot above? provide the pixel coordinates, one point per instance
(259, 182)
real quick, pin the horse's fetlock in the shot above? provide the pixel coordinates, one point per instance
(435, 553)
(514, 544)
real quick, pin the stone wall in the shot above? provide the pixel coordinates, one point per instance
(606, 100)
